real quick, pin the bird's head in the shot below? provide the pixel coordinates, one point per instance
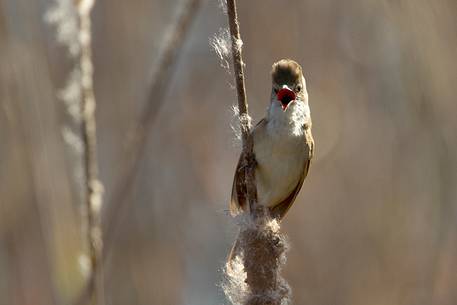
(288, 83)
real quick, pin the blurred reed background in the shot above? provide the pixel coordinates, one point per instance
(375, 222)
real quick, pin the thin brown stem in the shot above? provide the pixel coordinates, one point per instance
(248, 155)
(93, 187)
(262, 245)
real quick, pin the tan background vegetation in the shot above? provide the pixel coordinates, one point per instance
(375, 222)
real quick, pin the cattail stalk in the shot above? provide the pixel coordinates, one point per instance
(93, 186)
(248, 144)
(158, 83)
(260, 244)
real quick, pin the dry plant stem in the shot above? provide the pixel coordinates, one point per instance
(136, 144)
(263, 247)
(158, 84)
(94, 189)
(263, 258)
(248, 155)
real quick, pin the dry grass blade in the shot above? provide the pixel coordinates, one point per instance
(157, 89)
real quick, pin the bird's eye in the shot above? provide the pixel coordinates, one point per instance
(298, 88)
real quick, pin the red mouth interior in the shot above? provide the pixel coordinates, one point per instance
(285, 96)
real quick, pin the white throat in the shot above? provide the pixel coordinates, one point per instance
(289, 122)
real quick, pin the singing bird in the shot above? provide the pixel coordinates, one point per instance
(283, 144)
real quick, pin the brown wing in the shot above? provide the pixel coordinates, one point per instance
(279, 210)
(238, 202)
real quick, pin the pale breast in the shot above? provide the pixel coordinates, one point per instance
(281, 159)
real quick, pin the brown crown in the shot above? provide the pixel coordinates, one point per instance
(286, 71)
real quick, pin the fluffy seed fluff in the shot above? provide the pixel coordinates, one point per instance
(221, 44)
(64, 16)
(72, 140)
(84, 265)
(234, 285)
(237, 121)
(253, 276)
(223, 6)
(71, 94)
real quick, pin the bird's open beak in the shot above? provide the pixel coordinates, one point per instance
(285, 96)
